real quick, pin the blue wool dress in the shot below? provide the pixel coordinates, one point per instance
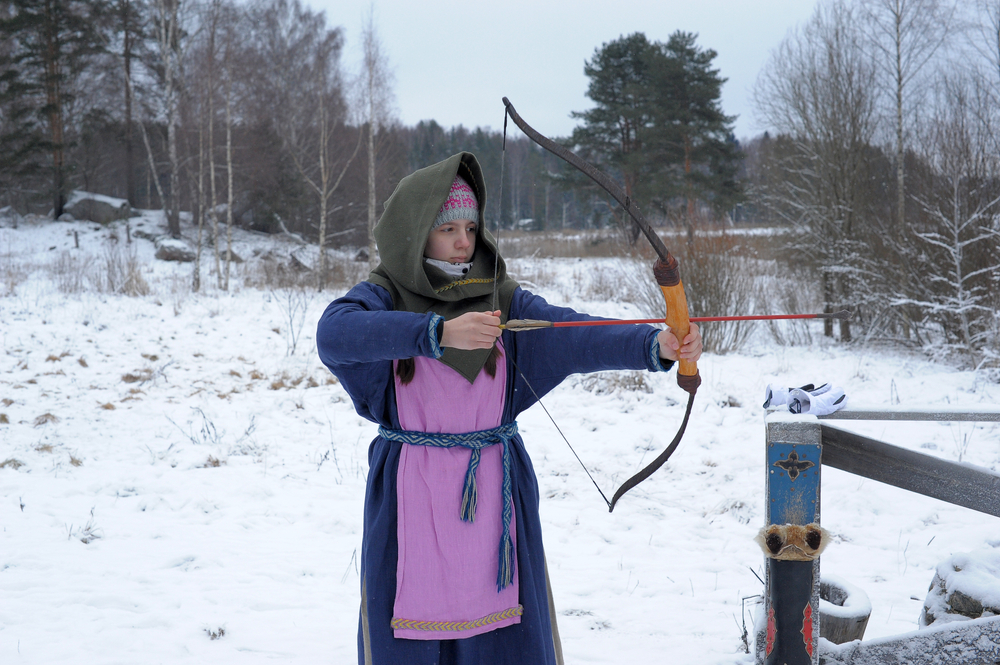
(358, 337)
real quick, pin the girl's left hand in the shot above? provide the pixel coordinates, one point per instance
(671, 349)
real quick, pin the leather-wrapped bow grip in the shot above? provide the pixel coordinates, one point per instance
(668, 278)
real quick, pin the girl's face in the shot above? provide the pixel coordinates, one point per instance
(454, 242)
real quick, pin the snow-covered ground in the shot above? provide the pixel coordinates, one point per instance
(178, 488)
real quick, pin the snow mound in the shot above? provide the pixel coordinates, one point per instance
(965, 586)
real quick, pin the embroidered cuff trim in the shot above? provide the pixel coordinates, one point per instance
(432, 334)
(655, 361)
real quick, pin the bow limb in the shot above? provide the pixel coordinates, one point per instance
(667, 277)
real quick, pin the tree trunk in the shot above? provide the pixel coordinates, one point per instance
(828, 294)
(54, 99)
(196, 277)
(229, 169)
(900, 166)
(690, 196)
(372, 249)
(130, 190)
(169, 56)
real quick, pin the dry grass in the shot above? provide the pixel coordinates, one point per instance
(72, 271)
(140, 375)
(11, 463)
(83, 363)
(45, 419)
(568, 243)
(215, 634)
(75, 461)
(12, 272)
(609, 383)
(4, 420)
(288, 381)
(120, 272)
(270, 274)
(88, 534)
(212, 462)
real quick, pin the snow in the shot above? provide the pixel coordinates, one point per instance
(171, 243)
(852, 601)
(78, 195)
(218, 480)
(975, 575)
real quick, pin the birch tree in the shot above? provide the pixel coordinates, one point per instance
(300, 70)
(904, 35)
(377, 104)
(962, 207)
(167, 15)
(818, 92)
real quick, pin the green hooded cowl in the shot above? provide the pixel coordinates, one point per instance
(401, 235)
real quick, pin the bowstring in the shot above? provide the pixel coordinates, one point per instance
(496, 257)
(496, 263)
(554, 424)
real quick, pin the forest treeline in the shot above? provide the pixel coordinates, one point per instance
(882, 157)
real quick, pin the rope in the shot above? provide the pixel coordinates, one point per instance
(474, 441)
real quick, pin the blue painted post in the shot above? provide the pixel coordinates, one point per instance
(792, 540)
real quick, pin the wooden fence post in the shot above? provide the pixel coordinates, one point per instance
(792, 540)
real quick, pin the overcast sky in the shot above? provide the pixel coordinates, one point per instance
(454, 61)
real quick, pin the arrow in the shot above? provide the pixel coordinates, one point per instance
(520, 325)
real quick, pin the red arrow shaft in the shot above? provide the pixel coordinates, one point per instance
(693, 319)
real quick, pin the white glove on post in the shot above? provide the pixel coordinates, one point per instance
(778, 395)
(815, 402)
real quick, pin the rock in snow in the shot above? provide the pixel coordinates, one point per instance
(965, 586)
(173, 249)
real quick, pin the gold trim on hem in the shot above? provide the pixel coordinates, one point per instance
(441, 626)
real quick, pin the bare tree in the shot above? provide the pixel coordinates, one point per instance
(985, 40)
(818, 92)
(904, 36)
(302, 60)
(962, 207)
(167, 15)
(986, 36)
(129, 18)
(212, 28)
(377, 104)
(227, 63)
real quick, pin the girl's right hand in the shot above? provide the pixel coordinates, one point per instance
(472, 330)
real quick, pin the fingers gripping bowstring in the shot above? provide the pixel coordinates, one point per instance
(496, 261)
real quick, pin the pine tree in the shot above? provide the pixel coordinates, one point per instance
(692, 132)
(51, 42)
(615, 133)
(658, 124)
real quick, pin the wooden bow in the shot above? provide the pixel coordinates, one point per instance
(665, 270)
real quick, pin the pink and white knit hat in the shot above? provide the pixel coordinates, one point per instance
(460, 204)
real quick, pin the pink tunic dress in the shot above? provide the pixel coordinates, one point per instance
(446, 573)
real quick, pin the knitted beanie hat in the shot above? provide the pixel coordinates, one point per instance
(460, 204)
